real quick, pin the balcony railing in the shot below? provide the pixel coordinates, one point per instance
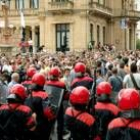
(27, 12)
(65, 6)
(133, 14)
(100, 9)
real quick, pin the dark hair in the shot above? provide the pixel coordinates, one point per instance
(114, 71)
(133, 68)
(99, 71)
(99, 63)
(122, 64)
(110, 66)
(125, 60)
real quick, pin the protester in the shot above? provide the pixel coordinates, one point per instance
(14, 80)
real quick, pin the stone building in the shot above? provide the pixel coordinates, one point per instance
(70, 24)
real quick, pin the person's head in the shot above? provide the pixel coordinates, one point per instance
(5, 76)
(15, 77)
(17, 94)
(99, 63)
(114, 71)
(110, 66)
(66, 72)
(129, 99)
(122, 65)
(133, 68)
(125, 60)
(54, 73)
(38, 81)
(31, 72)
(98, 72)
(104, 90)
(79, 98)
(80, 69)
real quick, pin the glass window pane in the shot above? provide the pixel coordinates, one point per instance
(36, 3)
(63, 38)
(58, 40)
(67, 37)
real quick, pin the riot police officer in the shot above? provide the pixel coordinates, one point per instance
(127, 126)
(105, 111)
(35, 101)
(81, 79)
(16, 119)
(55, 83)
(78, 122)
(30, 73)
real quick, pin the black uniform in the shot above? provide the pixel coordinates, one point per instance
(83, 81)
(105, 112)
(35, 101)
(80, 124)
(60, 117)
(15, 122)
(124, 129)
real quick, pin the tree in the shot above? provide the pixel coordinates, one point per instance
(138, 44)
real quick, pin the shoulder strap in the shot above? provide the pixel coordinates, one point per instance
(134, 82)
(76, 116)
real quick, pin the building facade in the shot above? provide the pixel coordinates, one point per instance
(70, 24)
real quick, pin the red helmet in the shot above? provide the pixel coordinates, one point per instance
(31, 72)
(55, 71)
(38, 79)
(79, 95)
(104, 88)
(128, 99)
(18, 90)
(80, 67)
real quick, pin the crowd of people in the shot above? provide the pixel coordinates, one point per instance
(110, 82)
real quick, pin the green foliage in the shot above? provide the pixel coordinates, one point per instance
(138, 43)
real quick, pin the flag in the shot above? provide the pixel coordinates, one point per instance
(22, 19)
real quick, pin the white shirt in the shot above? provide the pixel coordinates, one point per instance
(128, 82)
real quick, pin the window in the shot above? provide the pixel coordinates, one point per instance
(104, 30)
(62, 36)
(19, 4)
(101, 2)
(98, 33)
(91, 32)
(34, 4)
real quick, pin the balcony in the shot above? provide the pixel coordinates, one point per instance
(100, 9)
(27, 12)
(122, 13)
(65, 7)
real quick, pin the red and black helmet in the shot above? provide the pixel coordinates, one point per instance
(38, 79)
(104, 88)
(128, 99)
(80, 67)
(18, 90)
(55, 71)
(31, 72)
(79, 95)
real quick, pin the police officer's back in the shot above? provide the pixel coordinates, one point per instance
(16, 119)
(127, 126)
(105, 110)
(81, 79)
(35, 101)
(55, 83)
(78, 122)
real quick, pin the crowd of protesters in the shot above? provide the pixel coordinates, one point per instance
(118, 69)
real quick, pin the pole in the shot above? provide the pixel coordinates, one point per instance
(23, 32)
